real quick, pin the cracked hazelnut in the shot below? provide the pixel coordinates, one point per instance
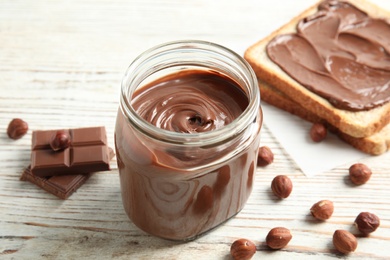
(60, 141)
(278, 237)
(17, 128)
(265, 156)
(318, 132)
(344, 241)
(322, 210)
(242, 249)
(367, 222)
(281, 186)
(359, 173)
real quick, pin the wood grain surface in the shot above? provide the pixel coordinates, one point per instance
(61, 64)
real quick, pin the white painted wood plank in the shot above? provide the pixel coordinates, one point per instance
(61, 64)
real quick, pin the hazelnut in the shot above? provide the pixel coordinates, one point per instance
(318, 132)
(242, 249)
(60, 141)
(17, 128)
(278, 237)
(344, 241)
(281, 186)
(265, 156)
(322, 210)
(359, 173)
(367, 222)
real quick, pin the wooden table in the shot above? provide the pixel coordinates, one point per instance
(61, 64)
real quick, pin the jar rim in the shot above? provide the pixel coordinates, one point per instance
(191, 139)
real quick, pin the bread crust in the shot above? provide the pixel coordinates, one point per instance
(354, 123)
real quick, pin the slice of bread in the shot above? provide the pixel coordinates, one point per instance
(356, 124)
(375, 144)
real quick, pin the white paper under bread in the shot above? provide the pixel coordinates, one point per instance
(292, 133)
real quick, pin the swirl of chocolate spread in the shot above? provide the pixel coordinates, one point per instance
(190, 102)
(339, 53)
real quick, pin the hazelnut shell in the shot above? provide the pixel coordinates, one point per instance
(322, 210)
(367, 222)
(278, 237)
(17, 128)
(359, 173)
(242, 249)
(265, 156)
(282, 186)
(344, 241)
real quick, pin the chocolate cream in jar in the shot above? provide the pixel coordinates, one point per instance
(186, 138)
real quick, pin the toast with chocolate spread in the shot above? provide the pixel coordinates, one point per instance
(375, 144)
(334, 61)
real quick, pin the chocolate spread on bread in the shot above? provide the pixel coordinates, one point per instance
(339, 53)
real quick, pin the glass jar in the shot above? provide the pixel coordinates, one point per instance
(179, 185)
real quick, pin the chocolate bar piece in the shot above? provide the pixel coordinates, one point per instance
(87, 152)
(60, 186)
